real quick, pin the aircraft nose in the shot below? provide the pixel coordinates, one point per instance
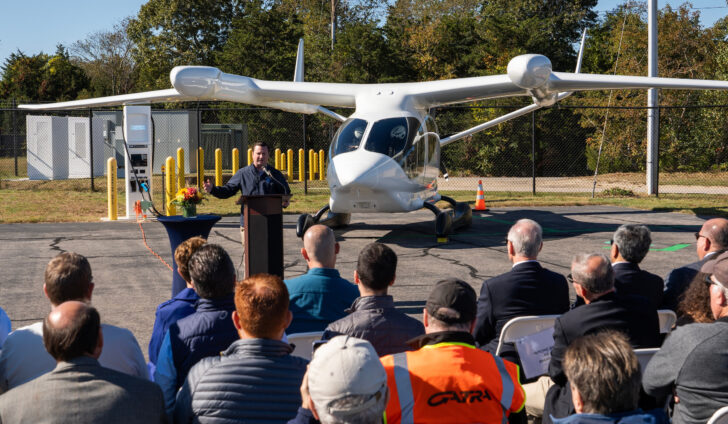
(357, 168)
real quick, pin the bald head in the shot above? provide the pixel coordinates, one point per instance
(526, 238)
(716, 230)
(593, 272)
(71, 330)
(320, 247)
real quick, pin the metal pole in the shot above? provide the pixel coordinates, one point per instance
(91, 144)
(533, 152)
(15, 136)
(305, 178)
(333, 23)
(653, 113)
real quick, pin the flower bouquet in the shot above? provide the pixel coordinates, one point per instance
(188, 198)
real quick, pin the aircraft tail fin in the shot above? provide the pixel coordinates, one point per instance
(298, 73)
(581, 53)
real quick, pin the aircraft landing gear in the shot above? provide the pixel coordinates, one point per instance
(333, 220)
(446, 221)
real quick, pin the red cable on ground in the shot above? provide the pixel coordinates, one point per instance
(144, 238)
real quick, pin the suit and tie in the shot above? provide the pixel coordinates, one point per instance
(527, 289)
(83, 391)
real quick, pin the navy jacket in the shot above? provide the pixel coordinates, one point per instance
(207, 332)
(253, 381)
(249, 182)
(632, 315)
(630, 279)
(169, 312)
(376, 320)
(527, 289)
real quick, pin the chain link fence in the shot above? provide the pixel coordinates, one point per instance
(565, 149)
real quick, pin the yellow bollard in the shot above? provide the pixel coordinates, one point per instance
(111, 193)
(322, 164)
(315, 166)
(289, 164)
(283, 165)
(200, 166)
(250, 156)
(218, 167)
(310, 164)
(301, 169)
(236, 160)
(277, 153)
(180, 168)
(169, 181)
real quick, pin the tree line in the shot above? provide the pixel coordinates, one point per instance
(418, 40)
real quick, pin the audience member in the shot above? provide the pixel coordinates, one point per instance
(320, 296)
(448, 377)
(256, 376)
(23, 358)
(373, 316)
(178, 307)
(80, 389)
(630, 245)
(695, 304)
(693, 361)
(604, 375)
(593, 280)
(206, 332)
(712, 239)
(345, 384)
(527, 289)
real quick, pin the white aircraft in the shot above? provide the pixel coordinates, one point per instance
(385, 157)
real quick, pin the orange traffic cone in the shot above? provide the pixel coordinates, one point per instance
(480, 198)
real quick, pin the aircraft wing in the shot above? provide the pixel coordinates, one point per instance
(581, 82)
(159, 96)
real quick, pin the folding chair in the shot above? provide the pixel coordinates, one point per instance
(667, 320)
(520, 327)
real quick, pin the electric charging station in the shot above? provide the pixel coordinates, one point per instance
(138, 158)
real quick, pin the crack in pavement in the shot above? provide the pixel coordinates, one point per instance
(56, 241)
(471, 270)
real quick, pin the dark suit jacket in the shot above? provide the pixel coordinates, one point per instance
(527, 289)
(630, 314)
(679, 279)
(82, 391)
(630, 279)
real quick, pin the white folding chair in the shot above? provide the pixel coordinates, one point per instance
(720, 416)
(667, 320)
(304, 343)
(520, 327)
(644, 355)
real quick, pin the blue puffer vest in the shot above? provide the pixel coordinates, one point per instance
(207, 332)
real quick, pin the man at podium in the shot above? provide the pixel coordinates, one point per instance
(256, 179)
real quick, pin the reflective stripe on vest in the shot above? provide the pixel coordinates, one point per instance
(404, 388)
(508, 388)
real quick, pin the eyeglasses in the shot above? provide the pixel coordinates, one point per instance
(570, 279)
(698, 235)
(709, 281)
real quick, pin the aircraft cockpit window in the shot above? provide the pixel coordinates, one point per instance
(391, 136)
(348, 137)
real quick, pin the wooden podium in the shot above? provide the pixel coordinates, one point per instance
(263, 234)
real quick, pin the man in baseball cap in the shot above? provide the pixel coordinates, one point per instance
(345, 383)
(693, 361)
(448, 377)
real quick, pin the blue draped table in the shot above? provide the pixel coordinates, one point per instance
(180, 229)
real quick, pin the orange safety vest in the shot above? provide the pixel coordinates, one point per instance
(451, 383)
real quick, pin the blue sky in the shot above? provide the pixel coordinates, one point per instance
(39, 25)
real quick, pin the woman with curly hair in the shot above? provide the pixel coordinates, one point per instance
(695, 304)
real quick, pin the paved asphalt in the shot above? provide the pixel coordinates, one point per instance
(130, 281)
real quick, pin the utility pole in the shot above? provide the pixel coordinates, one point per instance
(653, 112)
(333, 24)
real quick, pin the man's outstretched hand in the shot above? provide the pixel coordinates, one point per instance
(207, 185)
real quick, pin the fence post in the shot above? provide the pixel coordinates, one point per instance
(180, 168)
(533, 152)
(236, 160)
(322, 163)
(111, 192)
(218, 167)
(169, 180)
(91, 145)
(200, 166)
(14, 117)
(305, 181)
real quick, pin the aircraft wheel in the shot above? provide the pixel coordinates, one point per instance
(305, 221)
